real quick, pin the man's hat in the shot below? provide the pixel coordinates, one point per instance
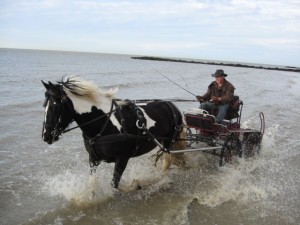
(219, 73)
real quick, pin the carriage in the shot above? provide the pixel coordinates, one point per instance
(227, 140)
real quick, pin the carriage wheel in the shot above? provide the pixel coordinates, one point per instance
(231, 150)
(252, 144)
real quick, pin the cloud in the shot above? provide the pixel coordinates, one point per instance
(171, 46)
(192, 11)
(184, 27)
(276, 42)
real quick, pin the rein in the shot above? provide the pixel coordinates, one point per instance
(140, 124)
(93, 120)
(56, 132)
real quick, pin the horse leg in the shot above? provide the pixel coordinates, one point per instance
(92, 180)
(120, 166)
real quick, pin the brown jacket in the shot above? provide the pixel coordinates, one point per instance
(226, 92)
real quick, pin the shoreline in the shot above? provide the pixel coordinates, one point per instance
(286, 68)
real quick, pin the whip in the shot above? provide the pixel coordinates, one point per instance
(176, 84)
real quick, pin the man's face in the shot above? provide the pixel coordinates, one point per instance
(220, 80)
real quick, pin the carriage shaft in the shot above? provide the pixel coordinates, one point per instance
(195, 149)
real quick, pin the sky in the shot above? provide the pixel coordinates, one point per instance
(249, 31)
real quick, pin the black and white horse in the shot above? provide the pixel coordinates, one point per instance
(113, 131)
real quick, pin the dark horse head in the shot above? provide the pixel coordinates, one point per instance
(58, 112)
(113, 130)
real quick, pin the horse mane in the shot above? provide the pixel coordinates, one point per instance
(83, 88)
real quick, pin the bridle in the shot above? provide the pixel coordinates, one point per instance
(58, 130)
(58, 107)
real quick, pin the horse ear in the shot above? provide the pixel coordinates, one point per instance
(46, 85)
(52, 86)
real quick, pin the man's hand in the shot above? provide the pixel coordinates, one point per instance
(214, 99)
(199, 98)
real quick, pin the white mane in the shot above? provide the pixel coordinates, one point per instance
(87, 89)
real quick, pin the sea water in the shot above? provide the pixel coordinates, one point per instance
(49, 184)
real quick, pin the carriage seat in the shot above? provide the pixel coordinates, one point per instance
(235, 108)
(199, 119)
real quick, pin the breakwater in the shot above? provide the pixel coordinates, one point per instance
(283, 68)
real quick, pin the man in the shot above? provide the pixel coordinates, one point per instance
(218, 96)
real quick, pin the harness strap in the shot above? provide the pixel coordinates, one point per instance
(107, 120)
(122, 120)
(141, 121)
(91, 121)
(141, 124)
(178, 128)
(162, 148)
(93, 140)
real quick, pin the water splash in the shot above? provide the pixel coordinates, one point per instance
(76, 187)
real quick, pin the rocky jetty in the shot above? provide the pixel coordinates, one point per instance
(286, 68)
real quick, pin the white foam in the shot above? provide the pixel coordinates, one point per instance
(76, 187)
(231, 184)
(241, 182)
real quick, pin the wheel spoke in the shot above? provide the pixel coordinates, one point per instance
(251, 144)
(231, 150)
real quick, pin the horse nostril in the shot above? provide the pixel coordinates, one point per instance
(49, 138)
(46, 137)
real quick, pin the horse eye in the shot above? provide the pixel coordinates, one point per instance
(51, 108)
